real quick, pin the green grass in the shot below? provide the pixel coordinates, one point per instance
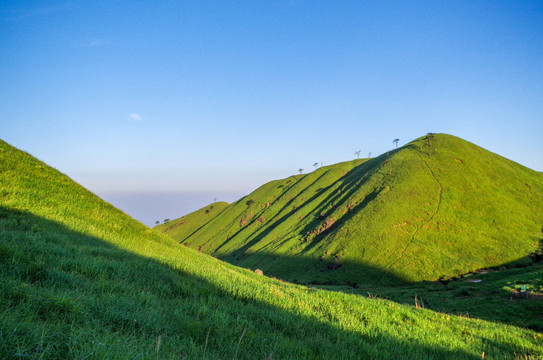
(189, 224)
(436, 208)
(492, 295)
(79, 279)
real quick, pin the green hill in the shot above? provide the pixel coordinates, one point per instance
(80, 279)
(188, 224)
(436, 208)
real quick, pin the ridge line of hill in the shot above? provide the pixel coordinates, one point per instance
(402, 214)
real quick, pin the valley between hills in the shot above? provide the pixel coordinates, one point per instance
(428, 251)
(421, 221)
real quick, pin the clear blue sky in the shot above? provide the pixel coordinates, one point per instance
(208, 99)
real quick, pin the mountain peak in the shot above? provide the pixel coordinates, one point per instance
(438, 206)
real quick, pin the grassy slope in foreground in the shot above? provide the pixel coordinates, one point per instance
(79, 279)
(490, 294)
(437, 207)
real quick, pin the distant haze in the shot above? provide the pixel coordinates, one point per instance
(149, 207)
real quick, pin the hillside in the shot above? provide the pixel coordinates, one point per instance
(188, 224)
(436, 208)
(79, 279)
(490, 294)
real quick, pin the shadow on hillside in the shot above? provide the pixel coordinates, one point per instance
(457, 295)
(349, 184)
(70, 283)
(487, 293)
(330, 269)
(275, 220)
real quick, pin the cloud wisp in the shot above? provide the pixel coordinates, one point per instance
(135, 117)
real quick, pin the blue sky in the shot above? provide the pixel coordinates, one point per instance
(160, 107)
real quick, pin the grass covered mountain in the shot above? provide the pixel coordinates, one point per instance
(80, 279)
(189, 224)
(436, 208)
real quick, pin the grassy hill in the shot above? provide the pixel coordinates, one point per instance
(189, 224)
(80, 279)
(436, 208)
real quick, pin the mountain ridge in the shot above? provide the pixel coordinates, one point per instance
(437, 197)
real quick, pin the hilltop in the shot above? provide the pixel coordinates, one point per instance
(81, 279)
(436, 208)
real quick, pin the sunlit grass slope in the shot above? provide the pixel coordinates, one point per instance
(511, 296)
(188, 224)
(79, 279)
(435, 208)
